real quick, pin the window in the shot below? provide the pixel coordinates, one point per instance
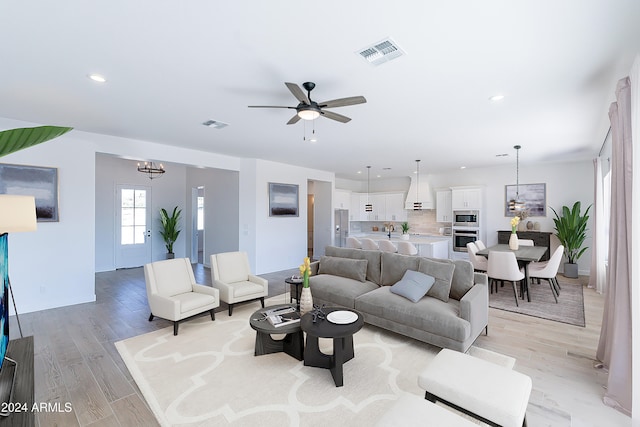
(200, 213)
(134, 213)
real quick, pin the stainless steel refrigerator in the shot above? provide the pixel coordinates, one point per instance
(342, 227)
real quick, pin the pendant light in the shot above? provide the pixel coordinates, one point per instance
(417, 205)
(517, 205)
(151, 169)
(368, 207)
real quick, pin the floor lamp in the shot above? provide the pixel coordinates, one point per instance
(17, 214)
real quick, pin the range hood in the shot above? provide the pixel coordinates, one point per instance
(425, 194)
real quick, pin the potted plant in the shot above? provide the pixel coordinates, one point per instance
(405, 230)
(170, 230)
(571, 230)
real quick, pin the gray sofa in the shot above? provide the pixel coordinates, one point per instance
(446, 317)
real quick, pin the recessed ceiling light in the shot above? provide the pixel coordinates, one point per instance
(97, 78)
(359, 172)
(496, 98)
(463, 167)
(378, 176)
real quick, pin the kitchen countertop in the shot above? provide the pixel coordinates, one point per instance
(413, 238)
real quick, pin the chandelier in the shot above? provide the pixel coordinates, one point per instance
(151, 169)
(517, 205)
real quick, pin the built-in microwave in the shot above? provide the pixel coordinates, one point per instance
(462, 237)
(466, 218)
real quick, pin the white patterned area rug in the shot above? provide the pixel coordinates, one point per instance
(208, 376)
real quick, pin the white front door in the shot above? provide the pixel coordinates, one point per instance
(133, 226)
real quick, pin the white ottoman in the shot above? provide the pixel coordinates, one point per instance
(491, 393)
(411, 410)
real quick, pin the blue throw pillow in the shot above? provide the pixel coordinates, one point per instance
(413, 285)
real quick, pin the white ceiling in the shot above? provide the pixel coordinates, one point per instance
(172, 65)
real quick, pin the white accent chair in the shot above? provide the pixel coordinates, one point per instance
(479, 262)
(525, 242)
(480, 245)
(407, 248)
(504, 266)
(369, 245)
(173, 293)
(354, 243)
(548, 270)
(387, 246)
(231, 275)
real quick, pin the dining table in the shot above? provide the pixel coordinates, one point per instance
(524, 255)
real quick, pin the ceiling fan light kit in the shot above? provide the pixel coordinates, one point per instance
(307, 109)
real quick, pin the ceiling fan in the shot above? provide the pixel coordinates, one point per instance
(310, 110)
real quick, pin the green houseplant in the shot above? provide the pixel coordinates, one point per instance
(405, 230)
(571, 230)
(170, 229)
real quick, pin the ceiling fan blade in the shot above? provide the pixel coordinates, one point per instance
(298, 93)
(294, 120)
(335, 116)
(342, 102)
(269, 106)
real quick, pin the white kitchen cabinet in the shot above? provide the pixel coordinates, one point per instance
(357, 212)
(342, 199)
(379, 210)
(443, 206)
(466, 198)
(394, 207)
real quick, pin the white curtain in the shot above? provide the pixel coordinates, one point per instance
(600, 243)
(614, 348)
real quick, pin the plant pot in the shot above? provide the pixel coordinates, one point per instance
(571, 270)
(306, 301)
(171, 255)
(405, 237)
(513, 242)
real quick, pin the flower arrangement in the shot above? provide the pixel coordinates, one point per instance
(514, 224)
(305, 271)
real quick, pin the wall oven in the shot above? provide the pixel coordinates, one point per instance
(462, 237)
(466, 218)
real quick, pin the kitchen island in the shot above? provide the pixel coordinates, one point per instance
(431, 246)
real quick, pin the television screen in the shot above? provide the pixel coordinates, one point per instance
(4, 309)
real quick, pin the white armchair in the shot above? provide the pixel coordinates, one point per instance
(231, 275)
(173, 293)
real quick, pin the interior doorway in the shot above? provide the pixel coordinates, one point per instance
(133, 226)
(197, 225)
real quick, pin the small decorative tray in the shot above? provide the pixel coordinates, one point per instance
(342, 317)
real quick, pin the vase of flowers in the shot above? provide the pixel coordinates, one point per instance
(513, 239)
(306, 300)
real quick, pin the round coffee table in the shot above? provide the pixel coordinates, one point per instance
(342, 335)
(292, 343)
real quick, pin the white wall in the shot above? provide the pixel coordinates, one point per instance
(54, 266)
(324, 218)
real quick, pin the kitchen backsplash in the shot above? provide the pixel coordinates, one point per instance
(421, 222)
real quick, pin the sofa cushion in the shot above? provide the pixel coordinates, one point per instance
(442, 272)
(355, 269)
(338, 290)
(462, 279)
(372, 257)
(428, 314)
(395, 265)
(413, 285)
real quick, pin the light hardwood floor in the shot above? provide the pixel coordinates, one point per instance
(76, 360)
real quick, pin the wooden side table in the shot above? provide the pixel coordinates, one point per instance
(294, 284)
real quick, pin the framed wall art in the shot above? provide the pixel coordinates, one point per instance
(40, 182)
(534, 196)
(283, 199)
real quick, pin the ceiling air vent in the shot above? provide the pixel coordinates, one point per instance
(215, 124)
(381, 52)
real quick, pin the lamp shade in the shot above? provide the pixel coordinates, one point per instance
(17, 213)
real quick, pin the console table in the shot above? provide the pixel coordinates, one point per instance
(540, 238)
(21, 350)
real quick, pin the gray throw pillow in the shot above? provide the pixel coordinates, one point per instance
(395, 265)
(443, 273)
(355, 269)
(462, 280)
(413, 286)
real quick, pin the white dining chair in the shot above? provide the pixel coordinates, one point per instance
(504, 266)
(478, 261)
(480, 245)
(407, 248)
(387, 246)
(354, 243)
(525, 242)
(548, 270)
(369, 244)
